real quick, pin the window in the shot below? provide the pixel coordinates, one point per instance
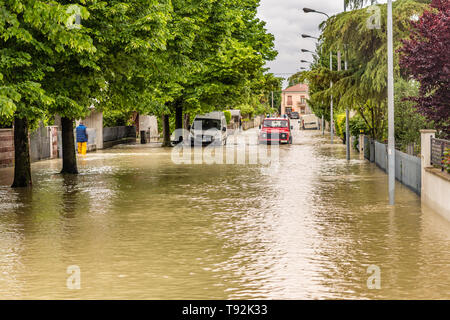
(289, 100)
(275, 123)
(303, 100)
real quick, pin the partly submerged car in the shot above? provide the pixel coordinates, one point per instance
(275, 130)
(210, 128)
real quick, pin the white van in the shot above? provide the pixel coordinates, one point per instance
(310, 122)
(210, 128)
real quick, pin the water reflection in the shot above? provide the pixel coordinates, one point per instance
(139, 226)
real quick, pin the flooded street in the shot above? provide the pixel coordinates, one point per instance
(142, 227)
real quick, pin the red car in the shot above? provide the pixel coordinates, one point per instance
(276, 130)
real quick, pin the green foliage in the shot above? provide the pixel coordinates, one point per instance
(246, 110)
(408, 122)
(446, 160)
(145, 56)
(340, 124)
(357, 126)
(115, 118)
(363, 87)
(227, 114)
(33, 36)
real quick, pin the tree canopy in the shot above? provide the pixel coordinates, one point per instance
(363, 87)
(425, 57)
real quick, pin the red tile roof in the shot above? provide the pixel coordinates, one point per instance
(302, 87)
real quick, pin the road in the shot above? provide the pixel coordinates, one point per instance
(137, 225)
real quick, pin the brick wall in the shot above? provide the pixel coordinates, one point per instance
(54, 142)
(6, 147)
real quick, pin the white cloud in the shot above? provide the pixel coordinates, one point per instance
(286, 21)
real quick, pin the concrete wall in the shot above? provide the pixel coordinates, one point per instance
(435, 183)
(147, 123)
(6, 147)
(94, 121)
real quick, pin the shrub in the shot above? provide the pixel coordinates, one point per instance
(227, 116)
(340, 124)
(447, 160)
(357, 125)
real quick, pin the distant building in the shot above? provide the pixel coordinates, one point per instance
(294, 99)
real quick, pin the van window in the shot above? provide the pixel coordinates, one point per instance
(206, 124)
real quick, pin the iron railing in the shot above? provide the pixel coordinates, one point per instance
(438, 147)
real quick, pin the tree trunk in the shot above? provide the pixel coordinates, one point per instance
(166, 131)
(68, 147)
(187, 123)
(22, 163)
(179, 118)
(187, 120)
(179, 122)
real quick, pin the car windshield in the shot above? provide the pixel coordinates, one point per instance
(206, 124)
(275, 123)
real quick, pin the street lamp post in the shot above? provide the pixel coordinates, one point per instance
(347, 112)
(391, 138)
(331, 101)
(347, 115)
(309, 10)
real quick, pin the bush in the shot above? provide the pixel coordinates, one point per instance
(447, 160)
(340, 124)
(227, 116)
(356, 125)
(246, 110)
(114, 118)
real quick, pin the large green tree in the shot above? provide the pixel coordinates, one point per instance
(363, 87)
(221, 60)
(128, 36)
(32, 34)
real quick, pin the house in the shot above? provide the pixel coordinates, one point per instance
(294, 99)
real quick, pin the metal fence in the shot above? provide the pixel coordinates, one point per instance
(407, 167)
(438, 147)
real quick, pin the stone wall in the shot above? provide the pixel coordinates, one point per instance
(6, 147)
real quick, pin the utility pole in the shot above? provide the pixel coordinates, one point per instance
(347, 113)
(331, 100)
(272, 99)
(391, 137)
(323, 126)
(347, 118)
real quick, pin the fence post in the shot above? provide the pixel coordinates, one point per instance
(425, 151)
(425, 139)
(361, 146)
(371, 150)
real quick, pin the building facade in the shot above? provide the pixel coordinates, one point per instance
(294, 99)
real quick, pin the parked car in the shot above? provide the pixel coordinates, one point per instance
(310, 122)
(275, 130)
(210, 128)
(295, 115)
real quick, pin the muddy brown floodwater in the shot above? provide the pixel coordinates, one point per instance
(139, 226)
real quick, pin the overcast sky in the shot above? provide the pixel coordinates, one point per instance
(286, 21)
